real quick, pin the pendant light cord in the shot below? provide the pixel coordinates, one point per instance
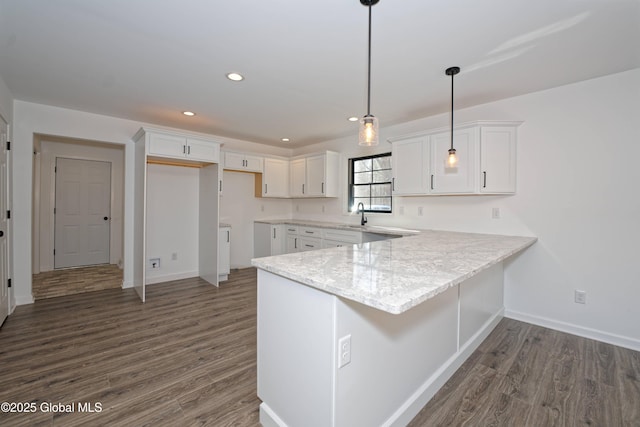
(369, 68)
(452, 74)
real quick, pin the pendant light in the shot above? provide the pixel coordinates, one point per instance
(368, 133)
(452, 161)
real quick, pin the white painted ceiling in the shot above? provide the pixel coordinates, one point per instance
(304, 61)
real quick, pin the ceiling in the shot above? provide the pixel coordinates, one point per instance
(304, 61)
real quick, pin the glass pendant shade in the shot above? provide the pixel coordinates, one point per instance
(368, 134)
(452, 160)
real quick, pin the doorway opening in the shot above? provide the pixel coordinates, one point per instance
(78, 199)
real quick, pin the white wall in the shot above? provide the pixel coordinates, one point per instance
(50, 150)
(172, 221)
(30, 119)
(240, 208)
(578, 150)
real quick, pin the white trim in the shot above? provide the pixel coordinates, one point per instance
(170, 277)
(268, 418)
(581, 331)
(24, 300)
(412, 406)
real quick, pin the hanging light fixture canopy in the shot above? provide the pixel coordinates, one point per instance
(452, 161)
(368, 133)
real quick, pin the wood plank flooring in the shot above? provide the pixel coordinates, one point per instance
(525, 375)
(187, 357)
(71, 281)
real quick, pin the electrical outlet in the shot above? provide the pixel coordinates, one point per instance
(154, 263)
(262, 208)
(580, 297)
(322, 208)
(297, 208)
(420, 211)
(495, 213)
(401, 210)
(344, 351)
(174, 256)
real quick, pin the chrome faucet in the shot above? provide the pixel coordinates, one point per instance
(363, 220)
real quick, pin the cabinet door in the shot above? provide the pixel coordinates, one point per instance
(292, 243)
(460, 179)
(315, 176)
(224, 251)
(207, 151)
(233, 161)
(297, 169)
(497, 160)
(277, 240)
(220, 180)
(275, 178)
(410, 170)
(167, 146)
(253, 163)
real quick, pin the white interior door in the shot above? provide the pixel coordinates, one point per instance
(82, 212)
(4, 247)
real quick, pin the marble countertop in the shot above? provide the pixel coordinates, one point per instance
(378, 229)
(397, 274)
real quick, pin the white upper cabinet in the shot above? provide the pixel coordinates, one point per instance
(486, 153)
(242, 162)
(275, 178)
(297, 176)
(460, 179)
(410, 166)
(315, 176)
(498, 159)
(176, 146)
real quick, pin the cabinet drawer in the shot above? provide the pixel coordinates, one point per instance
(309, 243)
(310, 232)
(334, 244)
(291, 229)
(343, 235)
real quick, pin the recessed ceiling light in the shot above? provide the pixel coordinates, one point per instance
(285, 140)
(189, 113)
(235, 77)
(353, 119)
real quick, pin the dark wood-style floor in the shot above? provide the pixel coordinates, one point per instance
(188, 357)
(71, 281)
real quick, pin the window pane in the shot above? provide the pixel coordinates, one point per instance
(362, 165)
(381, 204)
(362, 178)
(361, 191)
(382, 162)
(381, 190)
(365, 201)
(382, 176)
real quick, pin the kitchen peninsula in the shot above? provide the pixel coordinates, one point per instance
(365, 334)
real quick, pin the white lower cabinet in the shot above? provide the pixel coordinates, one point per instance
(268, 239)
(224, 253)
(309, 243)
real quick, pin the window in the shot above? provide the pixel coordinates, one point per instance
(370, 183)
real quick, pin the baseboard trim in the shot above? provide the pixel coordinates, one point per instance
(430, 387)
(268, 418)
(581, 331)
(170, 277)
(24, 300)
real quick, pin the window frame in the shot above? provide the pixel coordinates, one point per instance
(352, 185)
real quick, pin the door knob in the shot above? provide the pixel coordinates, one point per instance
(106, 218)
